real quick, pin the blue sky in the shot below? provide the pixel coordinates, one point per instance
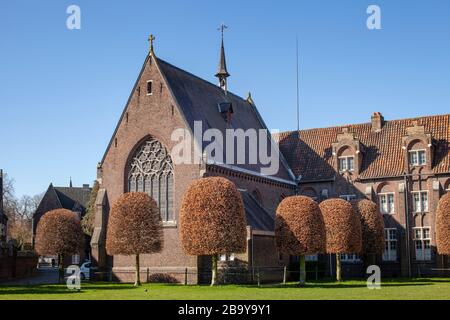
(62, 91)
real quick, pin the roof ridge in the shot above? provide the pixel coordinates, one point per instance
(199, 78)
(366, 123)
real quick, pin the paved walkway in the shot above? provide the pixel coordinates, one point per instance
(42, 276)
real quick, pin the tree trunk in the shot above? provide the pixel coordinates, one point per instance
(302, 271)
(338, 267)
(137, 282)
(214, 270)
(61, 268)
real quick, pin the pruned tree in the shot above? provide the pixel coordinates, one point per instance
(212, 220)
(59, 233)
(134, 228)
(443, 225)
(343, 230)
(300, 229)
(87, 223)
(372, 228)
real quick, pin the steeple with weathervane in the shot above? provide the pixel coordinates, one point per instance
(222, 72)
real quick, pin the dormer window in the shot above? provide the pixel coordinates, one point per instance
(346, 163)
(417, 157)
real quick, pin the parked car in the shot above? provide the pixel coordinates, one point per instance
(85, 270)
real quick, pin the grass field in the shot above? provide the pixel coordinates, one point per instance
(415, 289)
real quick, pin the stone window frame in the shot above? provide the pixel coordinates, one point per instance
(347, 162)
(418, 152)
(151, 87)
(388, 241)
(151, 162)
(380, 202)
(424, 242)
(422, 209)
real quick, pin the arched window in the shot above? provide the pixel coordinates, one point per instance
(447, 186)
(151, 171)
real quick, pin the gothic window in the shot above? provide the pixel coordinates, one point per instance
(151, 171)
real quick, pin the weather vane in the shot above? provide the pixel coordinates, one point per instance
(222, 28)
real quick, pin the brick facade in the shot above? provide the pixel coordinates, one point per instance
(382, 165)
(377, 155)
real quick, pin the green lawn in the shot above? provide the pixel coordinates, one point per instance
(391, 289)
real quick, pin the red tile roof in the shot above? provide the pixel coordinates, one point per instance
(311, 155)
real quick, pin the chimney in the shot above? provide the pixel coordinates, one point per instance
(377, 121)
(85, 186)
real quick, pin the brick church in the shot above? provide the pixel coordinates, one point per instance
(403, 165)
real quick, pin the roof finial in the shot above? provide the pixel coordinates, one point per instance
(250, 99)
(151, 38)
(70, 183)
(222, 72)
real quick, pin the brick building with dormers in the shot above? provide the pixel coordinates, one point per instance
(403, 165)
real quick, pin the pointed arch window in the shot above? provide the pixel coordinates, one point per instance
(151, 171)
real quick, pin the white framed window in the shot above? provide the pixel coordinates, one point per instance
(349, 258)
(387, 205)
(417, 157)
(149, 87)
(226, 257)
(348, 197)
(390, 249)
(420, 201)
(422, 243)
(346, 163)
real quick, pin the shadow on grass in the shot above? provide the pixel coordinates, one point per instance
(60, 289)
(350, 284)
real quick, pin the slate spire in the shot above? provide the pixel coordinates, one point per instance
(222, 72)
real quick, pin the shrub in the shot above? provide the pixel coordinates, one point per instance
(212, 219)
(59, 233)
(372, 226)
(343, 229)
(443, 225)
(300, 229)
(134, 227)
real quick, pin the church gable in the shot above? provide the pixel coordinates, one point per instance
(149, 103)
(151, 114)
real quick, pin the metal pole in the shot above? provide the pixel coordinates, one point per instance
(284, 275)
(408, 250)
(298, 103)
